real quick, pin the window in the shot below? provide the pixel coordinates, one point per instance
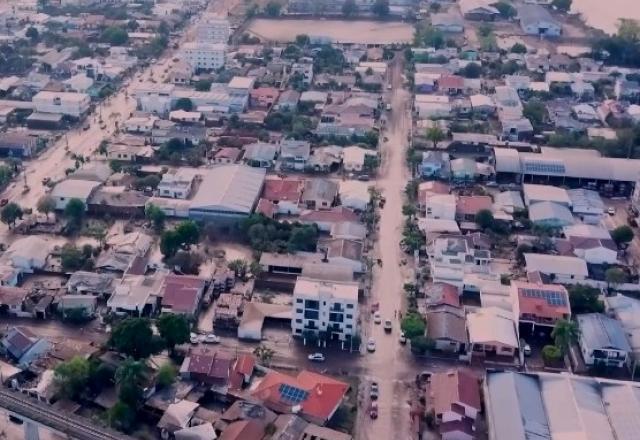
(311, 314)
(349, 326)
(349, 306)
(349, 316)
(312, 304)
(299, 310)
(298, 321)
(299, 301)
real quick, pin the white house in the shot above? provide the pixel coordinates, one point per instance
(207, 56)
(353, 158)
(536, 20)
(354, 194)
(28, 253)
(213, 28)
(176, 184)
(441, 206)
(153, 98)
(321, 306)
(71, 104)
(561, 269)
(139, 124)
(69, 189)
(451, 258)
(595, 250)
(602, 340)
(432, 106)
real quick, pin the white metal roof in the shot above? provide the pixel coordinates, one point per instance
(337, 290)
(74, 189)
(492, 324)
(545, 193)
(556, 264)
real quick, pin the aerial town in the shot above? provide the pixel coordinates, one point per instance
(318, 220)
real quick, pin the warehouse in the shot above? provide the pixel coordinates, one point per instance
(571, 167)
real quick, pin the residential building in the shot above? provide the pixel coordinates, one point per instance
(181, 294)
(329, 308)
(595, 250)
(521, 406)
(294, 154)
(355, 195)
(204, 56)
(88, 304)
(136, 295)
(545, 193)
(536, 20)
(263, 97)
(140, 124)
(627, 310)
(12, 301)
(325, 219)
(91, 283)
(176, 184)
(255, 313)
(550, 215)
(467, 207)
(24, 347)
(603, 340)
(284, 193)
(557, 268)
(319, 193)
(480, 10)
(28, 253)
(344, 252)
(441, 206)
(260, 154)
(314, 397)
(354, 158)
(208, 367)
(14, 144)
(451, 258)
(434, 164)
(539, 305)
(492, 333)
(454, 396)
(288, 100)
(447, 326)
(74, 105)
(69, 189)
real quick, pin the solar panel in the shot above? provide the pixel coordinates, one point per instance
(292, 395)
(552, 298)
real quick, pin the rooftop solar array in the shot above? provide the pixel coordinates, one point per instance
(552, 298)
(292, 395)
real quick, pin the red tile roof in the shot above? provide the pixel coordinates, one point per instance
(338, 214)
(182, 293)
(540, 306)
(266, 208)
(443, 293)
(245, 364)
(282, 189)
(210, 364)
(453, 387)
(243, 430)
(228, 153)
(471, 205)
(451, 82)
(265, 92)
(324, 393)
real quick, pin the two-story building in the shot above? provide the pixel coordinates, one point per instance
(74, 105)
(539, 306)
(451, 258)
(328, 309)
(602, 340)
(176, 184)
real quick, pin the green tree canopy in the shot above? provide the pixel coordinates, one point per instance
(116, 36)
(471, 70)
(174, 329)
(155, 215)
(129, 379)
(133, 337)
(46, 205)
(71, 258)
(381, 8)
(484, 219)
(585, 299)
(121, 417)
(536, 112)
(562, 5)
(420, 344)
(166, 375)
(10, 213)
(413, 325)
(506, 9)
(74, 211)
(71, 377)
(349, 8)
(184, 104)
(203, 85)
(564, 334)
(615, 276)
(435, 135)
(272, 9)
(622, 234)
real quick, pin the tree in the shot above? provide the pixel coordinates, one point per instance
(169, 243)
(184, 104)
(46, 205)
(71, 258)
(381, 8)
(202, 85)
(155, 215)
(551, 354)
(471, 70)
(349, 8)
(272, 9)
(32, 34)
(188, 232)
(506, 10)
(614, 276)
(186, 262)
(10, 213)
(562, 5)
(303, 238)
(121, 416)
(622, 234)
(302, 40)
(264, 353)
(239, 267)
(74, 211)
(129, 378)
(519, 48)
(564, 334)
(174, 330)
(71, 377)
(133, 337)
(76, 315)
(585, 299)
(115, 36)
(484, 219)
(256, 269)
(536, 112)
(166, 375)
(409, 210)
(413, 325)
(6, 173)
(435, 135)
(420, 344)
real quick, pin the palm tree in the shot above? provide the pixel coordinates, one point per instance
(129, 377)
(564, 334)
(435, 135)
(264, 353)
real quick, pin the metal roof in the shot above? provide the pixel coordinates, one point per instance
(599, 331)
(231, 188)
(556, 264)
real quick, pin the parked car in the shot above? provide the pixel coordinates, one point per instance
(611, 210)
(373, 410)
(211, 339)
(316, 357)
(377, 319)
(526, 348)
(388, 326)
(194, 338)
(374, 391)
(371, 345)
(403, 338)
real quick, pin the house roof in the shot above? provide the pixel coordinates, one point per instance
(12, 296)
(212, 364)
(453, 387)
(491, 324)
(592, 243)
(447, 322)
(204, 431)
(281, 189)
(234, 188)
(542, 300)
(337, 214)
(18, 340)
(260, 151)
(178, 415)
(294, 148)
(317, 395)
(442, 294)
(471, 205)
(243, 430)
(543, 211)
(228, 153)
(556, 264)
(29, 247)
(598, 331)
(451, 82)
(323, 189)
(534, 15)
(72, 188)
(347, 291)
(585, 230)
(181, 293)
(254, 314)
(343, 248)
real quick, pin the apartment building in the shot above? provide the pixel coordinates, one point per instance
(452, 257)
(202, 55)
(75, 105)
(325, 307)
(213, 29)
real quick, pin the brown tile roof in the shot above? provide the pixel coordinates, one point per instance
(243, 430)
(449, 388)
(471, 205)
(266, 208)
(228, 153)
(182, 292)
(451, 82)
(12, 296)
(283, 189)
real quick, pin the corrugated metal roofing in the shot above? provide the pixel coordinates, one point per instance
(230, 188)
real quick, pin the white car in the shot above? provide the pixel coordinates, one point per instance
(611, 210)
(316, 357)
(211, 339)
(194, 338)
(377, 318)
(371, 345)
(403, 338)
